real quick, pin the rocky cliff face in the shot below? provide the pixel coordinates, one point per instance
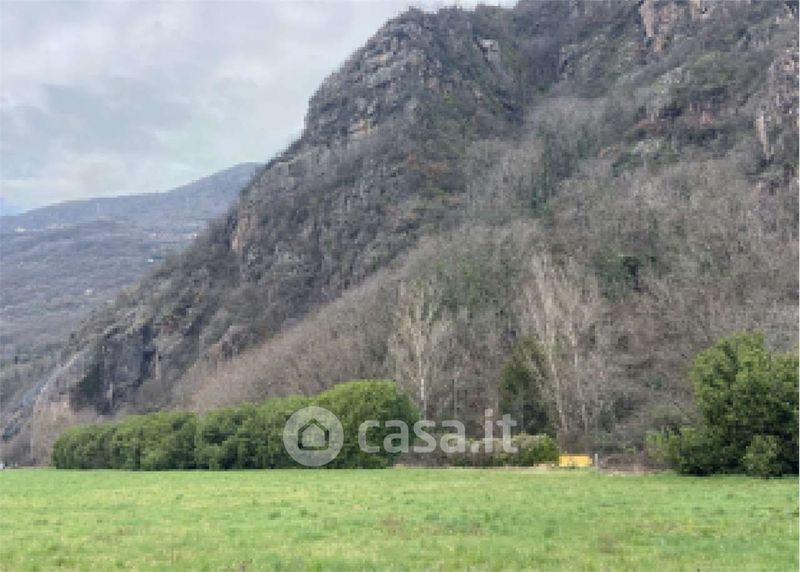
(441, 123)
(61, 261)
(777, 112)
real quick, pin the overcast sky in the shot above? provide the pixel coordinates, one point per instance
(107, 98)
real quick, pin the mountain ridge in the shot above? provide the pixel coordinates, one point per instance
(468, 181)
(64, 261)
(124, 206)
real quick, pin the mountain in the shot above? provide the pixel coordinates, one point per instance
(547, 210)
(189, 206)
(62, 260)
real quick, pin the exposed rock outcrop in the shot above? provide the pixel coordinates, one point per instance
(777, 119)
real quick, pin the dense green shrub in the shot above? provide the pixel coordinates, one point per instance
(748, 399)
(260, 438)
(218, 438)
(168, 441)
(534, 450)
(84, 447)
(157, 441)
(694, 452)
(125, 447)
(243, 437)
(358, 401)
(687, 450)
(762, 458)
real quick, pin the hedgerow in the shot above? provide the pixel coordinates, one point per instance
(245, 437)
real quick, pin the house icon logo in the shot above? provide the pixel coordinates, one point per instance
(313, 436)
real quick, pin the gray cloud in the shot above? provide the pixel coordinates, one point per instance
(103, 98)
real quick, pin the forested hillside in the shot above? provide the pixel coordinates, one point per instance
(547, 210)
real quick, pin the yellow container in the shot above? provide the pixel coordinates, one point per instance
(574, 461)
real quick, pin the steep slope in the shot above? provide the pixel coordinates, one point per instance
(61, 261)
(610, 183)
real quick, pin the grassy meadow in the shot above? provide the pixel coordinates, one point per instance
(394, 519)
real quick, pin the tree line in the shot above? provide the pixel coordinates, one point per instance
(248, 436)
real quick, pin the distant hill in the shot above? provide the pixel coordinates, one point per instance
(60, 261)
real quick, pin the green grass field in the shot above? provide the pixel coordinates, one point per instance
(394, 519)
